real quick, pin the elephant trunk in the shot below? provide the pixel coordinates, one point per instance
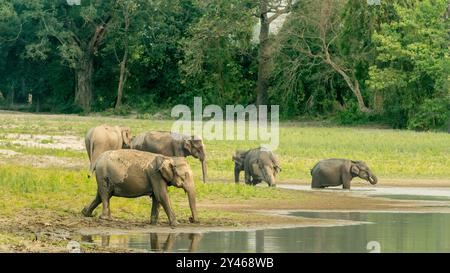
(203, 161)
(268, 176)
(373, 179)
(237, 170)
(190, 190)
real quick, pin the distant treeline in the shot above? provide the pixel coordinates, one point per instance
(359, 61)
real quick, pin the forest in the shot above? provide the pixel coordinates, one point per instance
(353, 61)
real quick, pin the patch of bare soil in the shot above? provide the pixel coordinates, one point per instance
(8, 153)
(46, 141)
(42, 161)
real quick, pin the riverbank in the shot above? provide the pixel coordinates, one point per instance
(44, 184)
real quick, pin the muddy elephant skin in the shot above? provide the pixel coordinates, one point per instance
(335, 172)
(105, 138)
(132, 173)
(172, 144)
(258, 165)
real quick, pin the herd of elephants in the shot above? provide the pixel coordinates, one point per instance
(133, 166)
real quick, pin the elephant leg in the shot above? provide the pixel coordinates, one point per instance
(195, 240)
(105, 240)
(106, 212)
(346, 185)
(155, 211)
(170, 242)
(154, 241)
(163, 198)
(255, 182)
(346, 179)
(237, 170)
(248, 176)
(87, 211)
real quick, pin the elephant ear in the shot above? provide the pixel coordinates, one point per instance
(238, 159)
(354, 169)
(187, 146)
(126, 136)
(277, 169)
(165, 167)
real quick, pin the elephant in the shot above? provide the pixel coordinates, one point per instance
(172, 144)
(104, 138)
(258, 165)
(336, 171)
(132, 173)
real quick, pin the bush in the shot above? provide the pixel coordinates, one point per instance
(431, 114)
(351, 115)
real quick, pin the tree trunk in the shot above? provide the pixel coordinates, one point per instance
(83, 92)
(352, 82)
(263, 56)
(122, 79)
(123, 64)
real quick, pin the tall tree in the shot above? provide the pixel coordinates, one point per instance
(80, 32)
(267, 12)
(412, 63)
(217, 50)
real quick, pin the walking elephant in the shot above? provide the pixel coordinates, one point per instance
(336, 172)
(104, 138)
(172, 144)
(258, 165)
(132, 173)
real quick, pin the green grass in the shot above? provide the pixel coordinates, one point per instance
(389, 153)
(43, 151)
(66, 191)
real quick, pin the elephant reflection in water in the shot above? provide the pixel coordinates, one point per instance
(157, 242)
(105, 239)
(168, 245)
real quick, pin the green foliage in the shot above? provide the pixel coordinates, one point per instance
(352, 115)
(396, 52)
(431, 114)
(412, 63)
(216, 64)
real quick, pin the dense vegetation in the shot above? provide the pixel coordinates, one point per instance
(349, 59)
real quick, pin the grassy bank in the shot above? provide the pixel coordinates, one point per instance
(390, 153)
(35, 200)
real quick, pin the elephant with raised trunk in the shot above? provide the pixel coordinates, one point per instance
(105, 138)
(258, 165)
(172, 144)
(335, 172)
(132, 173)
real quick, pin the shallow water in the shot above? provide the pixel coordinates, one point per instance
(386, 232)
(400, 193)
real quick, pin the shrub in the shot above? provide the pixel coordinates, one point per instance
(431, 114)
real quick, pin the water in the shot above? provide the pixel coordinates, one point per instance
(392, 232)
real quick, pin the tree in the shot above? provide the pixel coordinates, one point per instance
(412, 62)
(217, 52)
(80, 32)
(267, 12)
(126, 39)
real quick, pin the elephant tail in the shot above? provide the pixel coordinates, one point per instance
(91, 157)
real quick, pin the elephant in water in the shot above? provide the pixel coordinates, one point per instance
(172, 144)
(336, 172)
(258, 165)
(104, 138)
(132, 173)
